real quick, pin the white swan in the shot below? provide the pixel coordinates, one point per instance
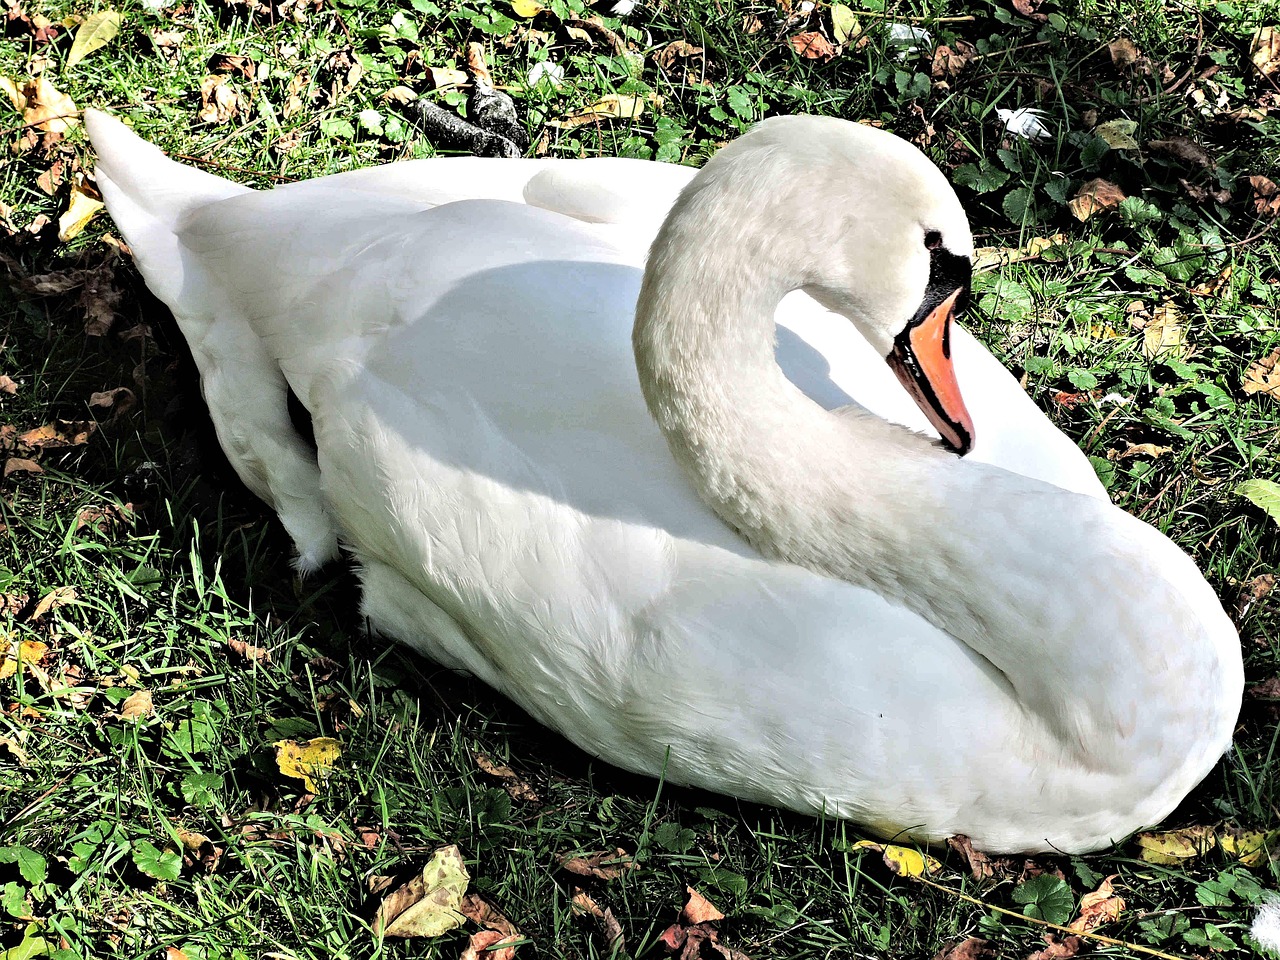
(871, 627)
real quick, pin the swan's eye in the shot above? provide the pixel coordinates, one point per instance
(932, 239)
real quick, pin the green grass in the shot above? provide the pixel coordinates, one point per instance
(90, 819)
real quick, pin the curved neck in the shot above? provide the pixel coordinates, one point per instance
(1023, 573)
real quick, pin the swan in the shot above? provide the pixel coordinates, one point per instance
(605, 490)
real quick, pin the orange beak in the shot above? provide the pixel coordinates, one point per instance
(921, 357)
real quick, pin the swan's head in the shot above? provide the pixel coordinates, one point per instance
(865, 223)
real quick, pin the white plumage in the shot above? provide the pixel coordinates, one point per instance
(821, 610)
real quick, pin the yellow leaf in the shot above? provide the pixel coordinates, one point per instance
(1252, 848)
(28, 651)
(84, 206)
(903, 861)
(137, 706)
(303, 761)
(1164, 336)
(614, 106)
(1175, 846)
(1263, 376)
(428, 905)
(990, 258)
(16, 96)
(47, 108)
(94, 34)
(843, 23)
(526, 8)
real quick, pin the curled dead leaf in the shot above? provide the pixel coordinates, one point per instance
(1099, 907)
(698, 909)
(21, 465)
(1058, 949)
(1094, 197)
(114, 403)
(1184, 148)
(55, 598)
(137, 706)
(8, 385)
(488, 945)
(1143, 450)
(812, 45)
(198, 851)
(247, 652)
(584, 905)
(972, 948)
(428, 905)
(1264, 51)
(26, 651)
(1266, 196)
(1123, 53)
(1262, 377)
(218, 101)
(516, 786)
(612, 107)
(58, 435)
(603, 865)
(233, 64)
(979, 863)
(1164, 336)
(949, 61)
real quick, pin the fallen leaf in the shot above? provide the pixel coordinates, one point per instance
(248, 652)
(218, 102)
(1027, 8)
(698, 909)
(904, 861)
(233, 64)
(971, 949)
(428, 905)
(25, 651)
(674, 51)
(105, 517)
(1099, 907)
(979, 863)
(516, 786)
(611, 107)
(308, 761)
(1253, 848)
(479, 910)
(21, 465)
(1057, 949)
(18, 22)
(604, 865)
(116, 403)
(1095, 196)
(94, 34)
(51, 179)
(487, 945)
(137, 706)
(991, 258)
(1264, 494)
(8, 385)
(1164, 335)
(1262, 377)
(1184, 148)
(582, 904)
(1266, 196)
(948, 61)
(1144, 450)
(844, 24)
(1264, 51)
(1221, 283)
(812, 46)
(1175, 846)
(1123, 53)
(701, 940)
(1202, 193)
(59, 435)
(527, 9)
(8, 743)
(1118, 134)
(55, 598)
(166, 43)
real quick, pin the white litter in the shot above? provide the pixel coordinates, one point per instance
(910, 39)
(1266, 926)
(552, 73)
(1025, 122)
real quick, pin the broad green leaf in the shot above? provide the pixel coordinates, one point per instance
(1264, 494)
(1118, 134)
(32, 946)
(1019, 205)
(198, 788)
(13, 900)
(1046, 898)
(31, 864)
(156, 863)
(94, 34)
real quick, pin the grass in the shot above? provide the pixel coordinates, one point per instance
(94, 807)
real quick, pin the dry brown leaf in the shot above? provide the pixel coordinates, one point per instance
(971, 949)
(1123, 52)
(979, 862)
(1099, 907)
(1264, 51)
(29, 652)
(1144, 450)
(1203, 193)
(1266, 196)
(603, 865)
(516, 786)
(1184, 148)
(198, 851)
(51, 179)
(166, 43)
(8, 385)
(1095, 196)
(1028, 8)
(248, 652)
(137, 706)
(1057, 949)
(55, 598)
(948, 61)
(233, 64)
(1263, 377)
(812, 45)
(45, 108)
(218, 102)
(583, 904)
(611, 107)
(18, 23)
(105, 517)
(699, 909)
(59, 435)
(84, 204)
(479, 910)
(115, 403)
(696, 942)
(173, 953)
(21, 465)
(487, 945)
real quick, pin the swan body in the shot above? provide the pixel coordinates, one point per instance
(778, 591)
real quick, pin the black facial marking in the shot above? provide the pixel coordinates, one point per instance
(932, 240)
(947, 271)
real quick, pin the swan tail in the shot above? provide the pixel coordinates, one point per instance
(150, 197)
